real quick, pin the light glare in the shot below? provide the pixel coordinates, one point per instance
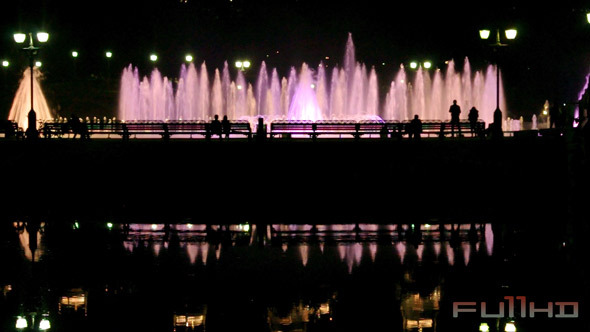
(44, 324)
(511, 33)
(5, 63)
(109, 54)
(20, 37)
(21, 323)
(427, 64)
(42, 37)
(413, 65)
(484, 34)
(153, 57)
(74, 54)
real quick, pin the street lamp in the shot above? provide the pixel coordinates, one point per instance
(484, 327)
(21, 323)
(153, 57)
(510, 35)
(32, 52)
(242, 65)
(510, 327)
(188, 58)
(425, 65)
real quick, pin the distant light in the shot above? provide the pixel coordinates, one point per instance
(76, 225)
(20, 37)
(5, 63)
(44, 324)
(239, 64)
(544, 112)
(484, 327)
(511, 33)
(427, 64)
(110, 225)
(42, 37)
(21, 323)
(484, 34)
(154, 227)
(588, 17)
(383, 63)
(247, 63)
(189, 226)
(188, 58)
(510, 327)
(153, 57)
(413, 65)
(312, 86)
(38, 63)
(74, 54)
(327, 58)
(239, 87)
(109, 54)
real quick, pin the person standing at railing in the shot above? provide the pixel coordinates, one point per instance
(226, 126)
(415, 128)
(473, 116)
(455, 111)
(216, 126)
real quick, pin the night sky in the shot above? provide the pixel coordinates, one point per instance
(548, 60)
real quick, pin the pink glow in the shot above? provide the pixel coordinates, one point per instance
(339, 93)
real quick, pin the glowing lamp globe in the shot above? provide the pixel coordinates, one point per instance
(510, 33)
(43, 37)
(20, 37)
(21, 323)
(484, 34)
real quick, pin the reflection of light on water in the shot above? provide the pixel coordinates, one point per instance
(489, 238)
(303, 251)
(450, 253)
(436, 246)
(466, 251)
(192, 250)
(23, 237)
(373, 250)
(419, 251)
(194, 239)
(401, 250)
(204, 252)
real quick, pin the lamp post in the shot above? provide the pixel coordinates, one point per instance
(242, 64)
(425, 64)
(32, 52)
(510, 35)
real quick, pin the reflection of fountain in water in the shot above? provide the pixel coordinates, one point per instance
(21, 105)
(349, 251)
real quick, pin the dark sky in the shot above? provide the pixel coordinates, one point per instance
(548, 60)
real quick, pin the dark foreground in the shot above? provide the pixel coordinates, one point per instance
(283, 180)
(531, 193)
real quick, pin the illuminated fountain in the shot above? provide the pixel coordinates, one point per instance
(350, 92)
(21, 104)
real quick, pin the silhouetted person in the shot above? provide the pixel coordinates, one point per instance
(455, 111)
(496, 126)
(260, 130)
(79, 127)
(32, 131)
(226, 126)
(473, 116)
(415, 128)
(216, 126)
